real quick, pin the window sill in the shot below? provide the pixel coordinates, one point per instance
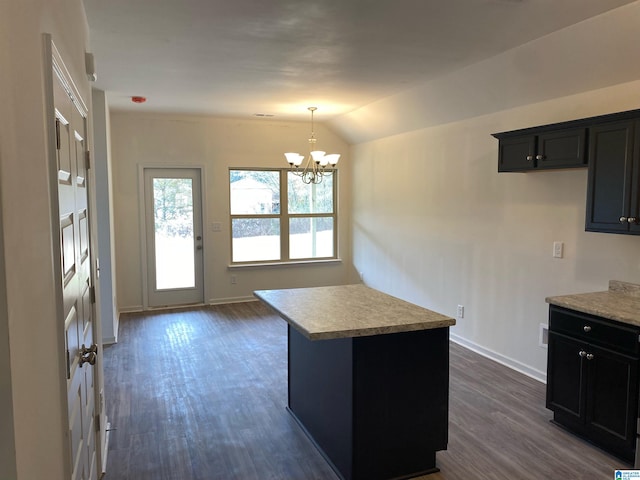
(285, 264)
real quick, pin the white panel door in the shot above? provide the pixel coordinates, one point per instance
(173, 226)
(71, 145)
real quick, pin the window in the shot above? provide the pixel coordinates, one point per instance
(277, 218)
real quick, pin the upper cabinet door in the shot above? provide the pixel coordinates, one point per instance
(517, 154)
(554, 149)
(610, 177)
(562, 149)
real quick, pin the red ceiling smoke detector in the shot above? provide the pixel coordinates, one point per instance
(138, 99)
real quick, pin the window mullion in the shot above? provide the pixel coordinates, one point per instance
(284, 216)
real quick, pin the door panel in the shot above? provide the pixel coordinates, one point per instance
(608, 192)
(173, 223)
(566, 387)
(612, 406)
(75, 258)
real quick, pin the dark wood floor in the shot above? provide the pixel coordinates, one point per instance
(201, 394)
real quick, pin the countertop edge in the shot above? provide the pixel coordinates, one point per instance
(612, 305)
(443, 322)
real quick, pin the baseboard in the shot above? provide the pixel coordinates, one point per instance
(109, 340)
(221, 301)
(501, 359)
(211, 301)
(131, 309)
(105, 449)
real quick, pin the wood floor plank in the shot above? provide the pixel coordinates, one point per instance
(200, 394)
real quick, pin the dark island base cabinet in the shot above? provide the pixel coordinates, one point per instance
(592, 379)
(376, 407)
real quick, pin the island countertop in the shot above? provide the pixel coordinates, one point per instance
(323, 313)
(620, 303)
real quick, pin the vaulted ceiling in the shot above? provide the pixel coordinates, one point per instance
(238, 58)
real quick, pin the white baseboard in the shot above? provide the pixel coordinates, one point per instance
(221, 301)
(109, 340)
(131, 309)
(105, 449)
(503, 360)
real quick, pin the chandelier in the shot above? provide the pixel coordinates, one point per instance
(318, 164)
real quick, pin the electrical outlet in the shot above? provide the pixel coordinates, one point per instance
(558, 248)
(460, 312)
(234, 279)
(543, 336)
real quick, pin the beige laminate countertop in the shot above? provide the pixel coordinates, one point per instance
(322, 313)
(621, 302)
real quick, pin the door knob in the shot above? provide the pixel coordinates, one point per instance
(632, 220)
(539, 157)
(529, 158)
(589, 356)
(582, 353)
(623, 219)
(586, 328)
(88, 355)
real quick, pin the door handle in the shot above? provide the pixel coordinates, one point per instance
(88, 355)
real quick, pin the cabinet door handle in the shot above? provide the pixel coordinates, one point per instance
(632, 220)
(582, 353)
(586, 328)
(589, 356)
(539, 157)
(623, 219)
(529, 158)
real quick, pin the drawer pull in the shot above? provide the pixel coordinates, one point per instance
(589, 356)
(586, 328)
(582, 353)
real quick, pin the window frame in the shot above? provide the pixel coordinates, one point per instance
(284, 216)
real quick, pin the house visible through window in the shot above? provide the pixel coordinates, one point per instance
(275, 217)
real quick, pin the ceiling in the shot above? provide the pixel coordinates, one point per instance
(239, 58)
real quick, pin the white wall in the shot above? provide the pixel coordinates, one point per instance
(433, 221)
(214, 144)
(36, 363)
(592, 54)
(104, 214)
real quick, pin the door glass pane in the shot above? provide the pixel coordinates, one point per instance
(310, 237)
(174, 243)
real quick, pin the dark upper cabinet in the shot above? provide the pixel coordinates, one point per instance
(608, 144)
(613, 195)
(564, 148)
(516, 154)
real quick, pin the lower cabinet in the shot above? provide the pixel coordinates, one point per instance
(592, 379)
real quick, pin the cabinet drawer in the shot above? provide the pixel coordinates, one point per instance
(595, 330)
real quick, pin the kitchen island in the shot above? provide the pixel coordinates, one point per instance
(368, 378)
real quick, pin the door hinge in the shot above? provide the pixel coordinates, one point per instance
(87, 158)
(92, 294)
(68, 365)
(57, 134)
(98, 423)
